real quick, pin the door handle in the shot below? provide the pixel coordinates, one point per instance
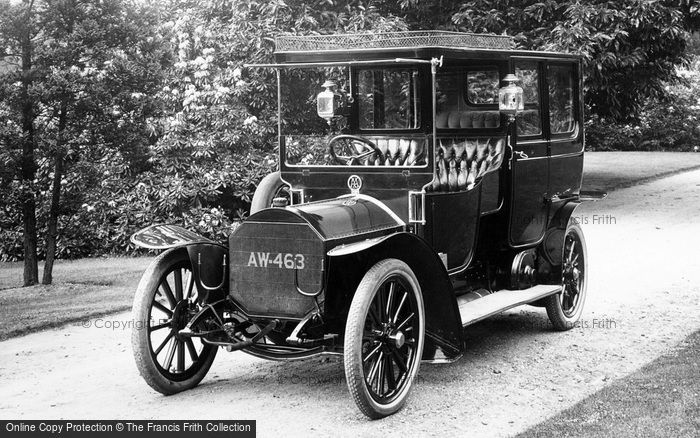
(521, 154)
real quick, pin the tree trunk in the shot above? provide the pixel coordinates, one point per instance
(31, 268)
(55, 198)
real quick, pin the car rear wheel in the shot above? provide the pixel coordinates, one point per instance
(384, 338)
(564, 309)
(163, 305)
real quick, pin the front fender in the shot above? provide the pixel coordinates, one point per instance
(443, 323)
(207, 258)
(166, 236)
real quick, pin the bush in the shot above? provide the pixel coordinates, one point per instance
(668, 124)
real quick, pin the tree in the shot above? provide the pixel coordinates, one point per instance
(631, 48)
(17, 29)
(117, 114)
(80, 61)
(218, 136)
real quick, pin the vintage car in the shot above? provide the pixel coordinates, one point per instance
(426, 182)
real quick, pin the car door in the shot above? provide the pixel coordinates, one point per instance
(565, 127)
(529, 162)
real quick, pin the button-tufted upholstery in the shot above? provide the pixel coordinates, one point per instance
(467, 119)
(460, 162)
(398, 152)
(313, 150)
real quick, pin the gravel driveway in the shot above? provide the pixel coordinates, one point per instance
(643, 299)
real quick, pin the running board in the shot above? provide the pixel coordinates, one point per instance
(497, 302)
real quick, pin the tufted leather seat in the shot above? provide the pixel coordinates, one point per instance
(460, 162)
(467, 119)
(398, 152)
(312, 150)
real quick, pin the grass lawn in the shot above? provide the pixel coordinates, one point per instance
(614, 170)
(662, 399)
(82, 289)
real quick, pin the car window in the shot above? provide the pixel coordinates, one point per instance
(467, 98)
(561, 98)
(482, 86)
(529, 122)
(388, 99)
(449, 90)
(298, 91)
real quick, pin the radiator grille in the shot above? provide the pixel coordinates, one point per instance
(264, 257)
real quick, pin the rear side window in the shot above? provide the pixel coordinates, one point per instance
(561, 98)
(530, 122)
(467, 98)
(482, 86)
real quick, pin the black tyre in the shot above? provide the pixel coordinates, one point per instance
(564, 309)
(269, 188)
(165, 301)
(384, 338)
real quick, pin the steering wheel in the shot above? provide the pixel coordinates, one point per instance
(351, 149)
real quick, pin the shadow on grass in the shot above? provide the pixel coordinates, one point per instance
(661, 399)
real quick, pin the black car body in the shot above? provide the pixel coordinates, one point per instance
(419, 206)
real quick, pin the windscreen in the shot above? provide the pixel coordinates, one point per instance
(304, 133)
(381, 106)
(388, 98)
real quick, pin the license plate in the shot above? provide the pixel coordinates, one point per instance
(278, 260)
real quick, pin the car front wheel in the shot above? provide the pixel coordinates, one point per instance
(384, 338)
(164, 303)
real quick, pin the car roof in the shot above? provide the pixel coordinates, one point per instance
(406, 44)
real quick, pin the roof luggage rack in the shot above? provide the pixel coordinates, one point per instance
(385, 40)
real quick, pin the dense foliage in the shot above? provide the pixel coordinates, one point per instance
(75, 91)
(141, 112)
(671, 122)
(619, 40)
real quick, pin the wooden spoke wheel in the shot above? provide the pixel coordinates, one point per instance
(564, 309)
(163, 305)
(384, 338)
